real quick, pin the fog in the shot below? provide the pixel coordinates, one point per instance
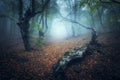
(61, 28)
(55, 22)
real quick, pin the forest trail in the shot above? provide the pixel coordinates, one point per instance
(37, 65)
(40, 62)
(54, 51)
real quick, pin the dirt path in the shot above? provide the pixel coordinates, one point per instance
(37, 64)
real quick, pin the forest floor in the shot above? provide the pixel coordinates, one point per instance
(17, 64)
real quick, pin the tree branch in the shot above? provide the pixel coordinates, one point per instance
(116, 1)
(33, 6)
(73, 21)
(111, 1)
(43, 8)
(20, 9)
(105, 1)
(93, 32)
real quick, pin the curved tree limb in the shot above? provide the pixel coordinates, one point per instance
(73, 21)
(93, 32)
(111, 1)
(60, 68)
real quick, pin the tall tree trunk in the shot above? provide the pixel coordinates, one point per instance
(24, 25)
(46, 24)
(24, 28)
(94, 37)
(73, 31)
(99, 12)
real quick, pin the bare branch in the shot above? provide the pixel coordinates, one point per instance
(33, 6)
(73, 21)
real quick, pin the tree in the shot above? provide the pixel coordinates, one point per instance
(23, 14)
(25, 17)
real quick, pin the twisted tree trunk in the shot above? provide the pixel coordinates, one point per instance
(24, 19)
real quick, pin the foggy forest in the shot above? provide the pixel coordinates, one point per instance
(59, 39)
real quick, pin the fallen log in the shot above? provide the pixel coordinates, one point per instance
(76, 55)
